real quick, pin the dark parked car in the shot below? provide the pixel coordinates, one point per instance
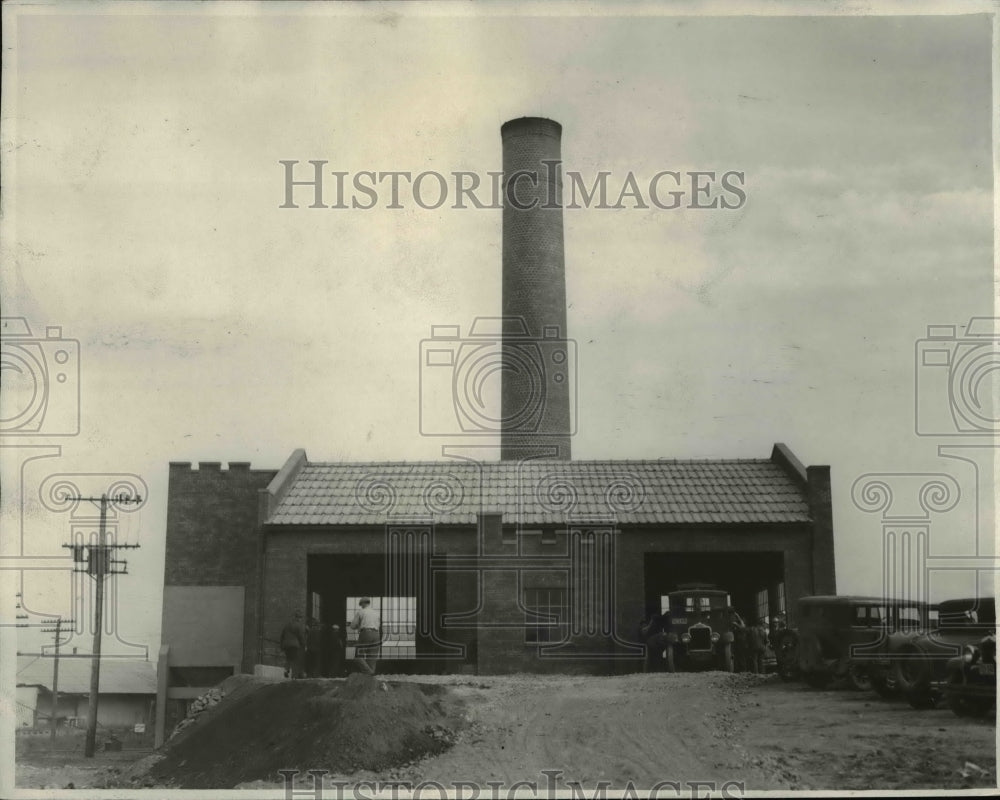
(848, 637)
(971, 689)
(920, 667)
(700, 629)
(900, 623)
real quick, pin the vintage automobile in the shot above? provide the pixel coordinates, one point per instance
(848, 637)
(971, 690)
(699, 631)
(920, 666)
(900, 621)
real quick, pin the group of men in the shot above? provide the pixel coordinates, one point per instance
(750, 642)
(314, 650)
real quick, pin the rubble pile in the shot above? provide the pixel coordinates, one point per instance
(340, 726)
(208, 700)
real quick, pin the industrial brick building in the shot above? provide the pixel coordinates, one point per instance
(532, 561)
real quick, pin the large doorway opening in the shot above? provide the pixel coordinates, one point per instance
(335, 585)
(755, 581)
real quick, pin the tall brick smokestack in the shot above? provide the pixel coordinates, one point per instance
(537, 358)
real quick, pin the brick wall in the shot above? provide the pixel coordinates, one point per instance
(821, 510)
(213, 540)
(213, 533)
(492, 618)
(285, 581)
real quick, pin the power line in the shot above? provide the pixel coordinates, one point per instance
(96, 560)
(57, 633)
(28, 664)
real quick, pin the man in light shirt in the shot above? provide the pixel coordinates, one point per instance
(368, 624)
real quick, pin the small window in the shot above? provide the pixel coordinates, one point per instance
(547, 616)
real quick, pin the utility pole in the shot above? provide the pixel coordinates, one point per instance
(99, 565)
(57, 632)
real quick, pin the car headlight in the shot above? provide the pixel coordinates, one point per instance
(685, 637)
(715, 637)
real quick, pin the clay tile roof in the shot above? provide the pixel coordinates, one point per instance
(539, 492)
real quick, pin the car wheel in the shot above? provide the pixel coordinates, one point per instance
(911, 672)
(727, 659)
(787, 655)
(885, 688)
(858, 679)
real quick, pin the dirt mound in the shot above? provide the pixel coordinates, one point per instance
(341, 726)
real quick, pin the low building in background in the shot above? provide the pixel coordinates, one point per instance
(127, 695)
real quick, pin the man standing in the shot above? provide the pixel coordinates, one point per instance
(740, 643)
(314, 646)
(653, 633)
(367, 623)
(293, 645)
(333, 652)
(758, 636)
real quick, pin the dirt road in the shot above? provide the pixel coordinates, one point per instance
(643, 728)
(758, 732)
(736, 731)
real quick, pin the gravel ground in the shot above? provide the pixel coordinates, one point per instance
(646, 729)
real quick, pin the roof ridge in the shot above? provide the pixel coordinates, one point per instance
(463, 462)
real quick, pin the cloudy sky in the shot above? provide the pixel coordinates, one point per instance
(141, 213)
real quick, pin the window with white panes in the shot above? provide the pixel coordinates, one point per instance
(547, 617)
(762, 607)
